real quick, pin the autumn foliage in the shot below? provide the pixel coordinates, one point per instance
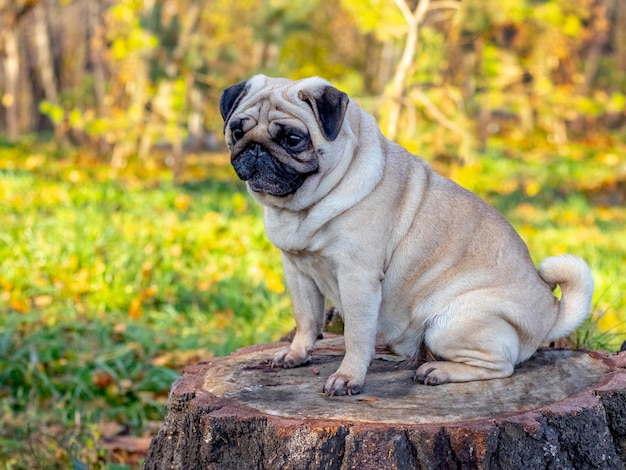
(128, 247)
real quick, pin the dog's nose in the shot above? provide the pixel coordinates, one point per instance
(256, 149)
(250, 161)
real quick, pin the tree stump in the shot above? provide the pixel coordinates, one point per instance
(561, 409)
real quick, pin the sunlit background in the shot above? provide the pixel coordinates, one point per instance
(129, 248)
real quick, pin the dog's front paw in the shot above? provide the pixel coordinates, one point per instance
(289, 358)
(343, 384)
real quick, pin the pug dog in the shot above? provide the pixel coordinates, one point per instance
(410, 259)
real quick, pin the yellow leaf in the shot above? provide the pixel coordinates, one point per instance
(176, 250)
(240, 203)
(20, 305)
(177, 359)
(81, 281)
(76, 176)
(274, 282)
(526, 210)
(606, 214)
(569, 216)
(7, 285)
(204, 285)
(182, 202)
(34, 161)
(507, 187)
(146, 269)
(135, 308)
(42, 301)
(150, 291)
(610, 321)
(223, 318)
(532, 188)
(609, 159)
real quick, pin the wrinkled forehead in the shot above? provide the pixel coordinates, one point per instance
(270, 100)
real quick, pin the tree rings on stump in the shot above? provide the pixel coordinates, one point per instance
(560, 409)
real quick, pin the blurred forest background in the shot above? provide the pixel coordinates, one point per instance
(121, 76)
(129, 248)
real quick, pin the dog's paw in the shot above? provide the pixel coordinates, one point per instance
(289, 358)
(342, 384)
(441, 372)
(430, 374)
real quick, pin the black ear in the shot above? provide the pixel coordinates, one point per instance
(230, 97)
(329, 106)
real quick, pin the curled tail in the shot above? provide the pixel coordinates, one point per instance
(574, 277)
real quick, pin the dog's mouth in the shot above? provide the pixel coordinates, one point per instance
(266, 174)
(275, 188)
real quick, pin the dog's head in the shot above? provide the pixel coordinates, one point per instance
(278, 131)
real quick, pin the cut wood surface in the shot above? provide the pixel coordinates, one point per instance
(560, 409)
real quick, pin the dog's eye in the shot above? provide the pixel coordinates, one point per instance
(237, 133)
(293, 141)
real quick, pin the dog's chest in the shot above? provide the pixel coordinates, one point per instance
(321, 270)
(294, 231)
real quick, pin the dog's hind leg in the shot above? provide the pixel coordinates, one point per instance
(469, 350)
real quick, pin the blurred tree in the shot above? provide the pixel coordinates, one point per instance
(11, 13)
(413, 20)
(44, 60)
(538, 62)
(121, 76)
(415, 31)
(313, 39)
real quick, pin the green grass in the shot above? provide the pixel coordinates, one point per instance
(109, 284)
(112, 281)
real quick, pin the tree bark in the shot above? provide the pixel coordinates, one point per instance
(96, 50)
(561, 409)
(11, 65)
(600, 36)
(45, 64)
(44, 57)
(11, 14)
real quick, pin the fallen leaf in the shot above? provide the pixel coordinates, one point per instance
(101, 378)
(131, 444)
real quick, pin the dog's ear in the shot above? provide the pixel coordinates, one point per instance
(329, 106)
(230, 98)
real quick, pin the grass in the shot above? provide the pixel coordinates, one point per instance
(112, 281)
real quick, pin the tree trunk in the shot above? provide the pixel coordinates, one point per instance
(44, 57)
(96, 48)
(11, 65)
(600, 35)
(619, 35)
(561, 409)
(45, 65)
